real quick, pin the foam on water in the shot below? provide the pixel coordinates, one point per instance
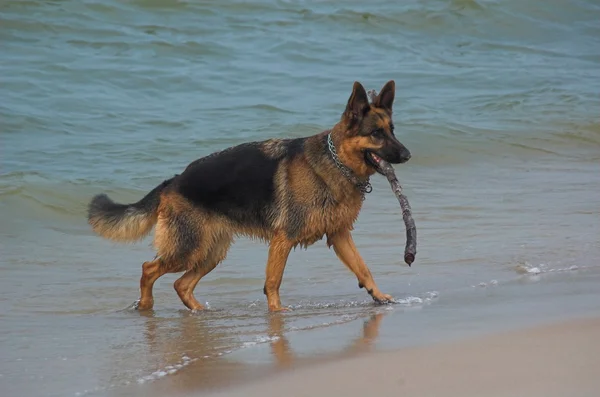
(529, 269)
(343, 304)
(167, 370)
(491, 283)
(186, 360)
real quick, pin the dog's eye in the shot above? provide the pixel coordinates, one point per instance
(378, 133)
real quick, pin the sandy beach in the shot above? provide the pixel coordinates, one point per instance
(560, 359)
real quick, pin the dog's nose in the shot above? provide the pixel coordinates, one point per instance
(405, 156)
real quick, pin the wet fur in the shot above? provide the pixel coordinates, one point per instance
(287, 192)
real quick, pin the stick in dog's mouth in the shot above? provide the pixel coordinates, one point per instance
(385, 168)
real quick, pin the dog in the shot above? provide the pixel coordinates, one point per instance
(285, 192)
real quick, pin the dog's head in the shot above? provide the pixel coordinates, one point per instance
(368, 131)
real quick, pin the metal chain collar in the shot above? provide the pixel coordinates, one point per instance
(364, 187)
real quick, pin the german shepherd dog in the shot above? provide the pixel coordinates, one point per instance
(286, 192)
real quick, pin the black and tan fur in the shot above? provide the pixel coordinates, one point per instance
(286, 192)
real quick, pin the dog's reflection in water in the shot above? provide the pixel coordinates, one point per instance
(208, 368)
(284, 355)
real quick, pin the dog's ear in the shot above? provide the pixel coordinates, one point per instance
(385, 99)
(358, 103)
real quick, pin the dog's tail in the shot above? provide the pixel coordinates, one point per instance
(125, 222)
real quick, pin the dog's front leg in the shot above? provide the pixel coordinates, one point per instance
(279, 251)
(346, 251)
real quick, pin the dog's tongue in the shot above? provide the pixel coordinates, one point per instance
(411, 231)
(381, 163)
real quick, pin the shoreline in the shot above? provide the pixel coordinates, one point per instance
(554, 359)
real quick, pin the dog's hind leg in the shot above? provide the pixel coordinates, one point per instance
(186, 284)
(151, 271)
(346, 251)
(279, 251)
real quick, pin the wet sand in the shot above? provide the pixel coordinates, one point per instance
(560, 359)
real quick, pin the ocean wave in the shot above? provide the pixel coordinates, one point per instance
(587, 133)
(135, 95)
(414, 15)
(35, 194)
(267, 108)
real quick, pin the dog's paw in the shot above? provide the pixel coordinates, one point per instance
(138, 305)
(382, 298)
(280, 309)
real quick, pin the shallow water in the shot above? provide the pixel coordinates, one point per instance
(497, 101)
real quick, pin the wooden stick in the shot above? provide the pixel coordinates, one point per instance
(410, 251)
